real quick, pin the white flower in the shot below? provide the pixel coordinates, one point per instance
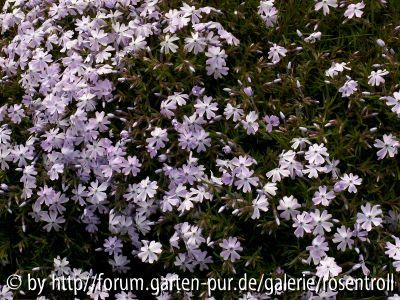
(376, 78)
(313, 37)
(299, 142)
(289, 207)
(354, 10)
(270, 188)
(276, 52)
(324, 4)
(316, 154)
(260, 203)
(370, 215)
(250, 123)
(393, 101)
(61, 266)
(328, 268)
(336, 68)
(277, 174)
(149, 252)
(168, 44)
(97, 293)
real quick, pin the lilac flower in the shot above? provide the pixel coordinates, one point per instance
(313, 169)
(343, 236)
(277, 174)
(318, 249)
(268, 12)
(303, 223)
(245, 181)
(207, 107)
(349, 87)
(393, 250)
(349, 182)
(195, 44)
(231, 248)
(321, 222)
(16, 113)
(125, 296)
(234, 112)
(112, 245)
(119, 263)
(132, 166)
(97, 192)
(98, 293)
(198, 91)
(5, 293)
(61, 266)
(271, 121)
(388, 146)
(5, 135)
(369, 216)
(157, 140)
(323, 197)
(216, 63)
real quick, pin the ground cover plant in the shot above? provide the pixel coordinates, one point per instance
(200, 139)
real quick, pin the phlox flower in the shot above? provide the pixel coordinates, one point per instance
(303, 223)
(167, 45)
(231, 247)
(354, 10)
(328, 268)
(150, 251)
(325, 4)
(376, 77)
(371, 215)
(343, 237)
(349, 88)
(276, 52)
(388, 146)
